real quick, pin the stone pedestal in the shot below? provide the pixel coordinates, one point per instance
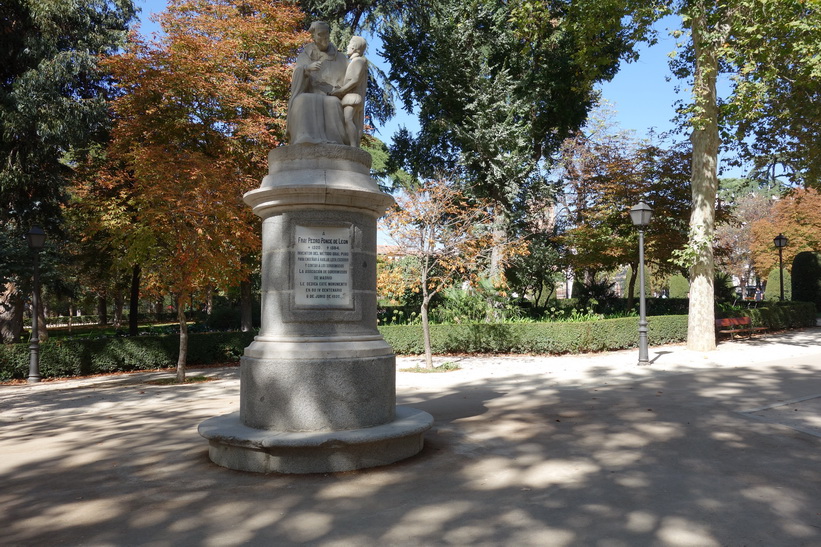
(318, 390)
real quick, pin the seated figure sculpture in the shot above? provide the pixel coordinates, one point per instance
(314, 115)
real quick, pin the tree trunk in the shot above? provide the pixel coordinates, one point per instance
(631, 286)
(118, 307)
(426, 331)
(246, 303)
(183, 355)
(705, 140)
(102, 310)
(134, 302)
(497, 258)
(209, 301)
(11, 314)
(42, 330)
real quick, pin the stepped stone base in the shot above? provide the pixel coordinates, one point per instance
(237, 446)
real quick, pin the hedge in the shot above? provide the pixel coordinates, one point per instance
(781, 315)
(83, 356)
(806, 279)
(555, 338)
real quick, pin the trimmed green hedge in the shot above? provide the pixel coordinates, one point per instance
(83, 356)
(555, 338)
(781, 315)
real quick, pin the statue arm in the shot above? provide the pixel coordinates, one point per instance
(357, 71)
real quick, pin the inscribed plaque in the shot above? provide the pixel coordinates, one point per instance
(322, 267)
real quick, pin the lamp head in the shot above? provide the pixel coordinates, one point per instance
(36, 238)
(641, 214)
(780, 241)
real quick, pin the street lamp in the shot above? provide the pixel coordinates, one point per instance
(641, 215)
(780, 242)
(36, 239)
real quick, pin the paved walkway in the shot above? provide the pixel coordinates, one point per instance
(722, 448)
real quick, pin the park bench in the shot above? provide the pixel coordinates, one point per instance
(736, 325)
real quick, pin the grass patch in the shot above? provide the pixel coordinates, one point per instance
(189, 380)
(444, 367)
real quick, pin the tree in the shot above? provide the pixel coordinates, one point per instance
(605, 172)
(448, 235)
(52, 107)
(499, 85)
(708, 32)
(806, 278)
(774, 114)
(798, 216)
(197, 113)
(735, 238)
(740, 38)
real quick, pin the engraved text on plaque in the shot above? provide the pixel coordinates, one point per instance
(322, 267)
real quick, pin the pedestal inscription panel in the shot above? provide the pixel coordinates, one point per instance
(322, 267)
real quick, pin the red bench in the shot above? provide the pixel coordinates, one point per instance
(736, 325)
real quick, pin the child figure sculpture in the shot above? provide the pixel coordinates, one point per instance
(352, 91)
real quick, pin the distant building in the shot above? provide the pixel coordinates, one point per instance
(390, 252)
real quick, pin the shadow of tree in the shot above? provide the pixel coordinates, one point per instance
(511, 460)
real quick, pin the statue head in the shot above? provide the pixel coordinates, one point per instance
(321, 33)
(357, 45)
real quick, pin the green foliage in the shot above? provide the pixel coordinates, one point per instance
(679, 286)
(776, 315)
(698, 243)
(496, 94)
(77, 357)
(773, 291)
(535, 274)
(595, 292)
(776, 53)
(573, 315)
(398, 315)
(52, 98)
(545, 338)
(723, 288)
(806, 278)
(474, 304)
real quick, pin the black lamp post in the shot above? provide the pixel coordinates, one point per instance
(780, 242)
(36, 239)
(641, 215)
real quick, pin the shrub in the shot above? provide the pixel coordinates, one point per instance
(782, 315)
(679, 286)
(398, 315)
(474, 304)
(806, 278)
(773, 291)
(83, 356)
(556, 338)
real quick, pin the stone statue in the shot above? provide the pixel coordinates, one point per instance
(352, 91)
(315, 116)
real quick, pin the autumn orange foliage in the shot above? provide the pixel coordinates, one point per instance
(197, 111)
(798, 216)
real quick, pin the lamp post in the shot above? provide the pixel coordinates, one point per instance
(780, 242)
(641, 215)
(36, 239)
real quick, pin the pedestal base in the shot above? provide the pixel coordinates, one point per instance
(237, 446)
